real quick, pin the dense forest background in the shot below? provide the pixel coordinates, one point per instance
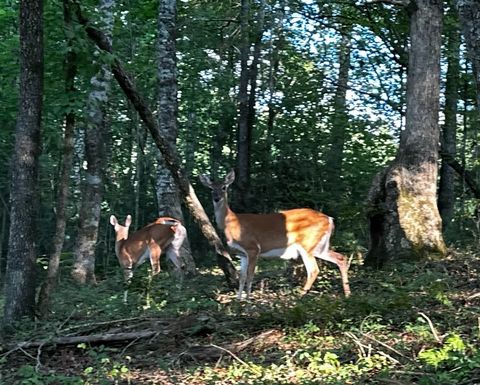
(305, 100)
(295, 122)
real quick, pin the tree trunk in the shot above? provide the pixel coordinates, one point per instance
(22, 250)
(227, 116)
(171, 158)
(167, 194)
(469, 12)
(253, 72)
(403, 214)
(141, 135)
(83, 270)
(446, 191)
(244, 136)
(339, 122)
(44, 297)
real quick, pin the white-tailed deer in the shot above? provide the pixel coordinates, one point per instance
(164, 235)
(286, 234)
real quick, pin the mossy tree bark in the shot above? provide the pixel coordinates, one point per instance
(402, 202)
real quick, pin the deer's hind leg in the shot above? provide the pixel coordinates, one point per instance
(155, 252)
(311, 267)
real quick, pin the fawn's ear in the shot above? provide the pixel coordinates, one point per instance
(113, 220)
(128, 221)
(205, 180)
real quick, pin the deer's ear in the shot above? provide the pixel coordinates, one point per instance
(128, 221)
(113, 220)
(205, 180)
(230, 177)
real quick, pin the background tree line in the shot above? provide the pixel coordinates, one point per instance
(312, 103)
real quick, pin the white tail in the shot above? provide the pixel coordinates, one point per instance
(164, 235)
(286, 234)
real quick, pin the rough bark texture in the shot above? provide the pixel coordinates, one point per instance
(63, 183)
(167, 194)
(22, 249)
(469, 12)
(446, 191)
(171, 158)
(83, 270)
(403, 215)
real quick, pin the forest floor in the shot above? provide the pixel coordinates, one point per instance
(411, 324)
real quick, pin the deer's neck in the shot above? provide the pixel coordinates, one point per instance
(222, 211)
(118, 246)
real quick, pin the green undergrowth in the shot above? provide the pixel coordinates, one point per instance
(411, 324)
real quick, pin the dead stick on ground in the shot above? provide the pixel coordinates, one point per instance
(386, 346)
(432, 328)
(237, 358)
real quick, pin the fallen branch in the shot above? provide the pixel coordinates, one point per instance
(213, 352)
(90, 339)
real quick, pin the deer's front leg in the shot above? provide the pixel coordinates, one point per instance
(127, 275)
(243, 275)
(252, 264)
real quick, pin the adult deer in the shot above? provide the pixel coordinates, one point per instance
(164, 235)
(285, 234)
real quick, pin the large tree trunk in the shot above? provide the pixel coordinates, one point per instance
(403, 213)
(446, 191)
(83, 270)
(171, 158)
(63, 183)
(167, 194)
(22, 250)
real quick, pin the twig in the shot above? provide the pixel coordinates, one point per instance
(390, 381)
(473, 296)
(128, 345)
(26, 353)
(237, 358)
(388, 356)
(65, 321)
(386, 346)
(358, 343)
(408, 372)
(39, 363)
(432, 328)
